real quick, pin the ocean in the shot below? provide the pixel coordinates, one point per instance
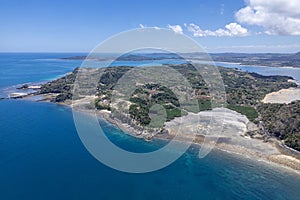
(42, 157)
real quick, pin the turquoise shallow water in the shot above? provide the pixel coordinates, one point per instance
(42, 157)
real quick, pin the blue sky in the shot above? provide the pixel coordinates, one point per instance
(78, 26)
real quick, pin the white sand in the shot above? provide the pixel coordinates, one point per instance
(233, 137)
(283, 96)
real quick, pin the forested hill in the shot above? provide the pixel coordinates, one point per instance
(244, 94)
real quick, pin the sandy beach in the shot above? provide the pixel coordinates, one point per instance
(283, 96)
(233, 138)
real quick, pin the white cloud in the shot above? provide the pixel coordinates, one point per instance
(176, 28)
(232, 29)
(284, 48)
(144, 26)
(277, 17)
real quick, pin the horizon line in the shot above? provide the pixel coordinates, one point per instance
(81, 52)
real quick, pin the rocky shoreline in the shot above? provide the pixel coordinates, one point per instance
(272, 151)
(239, 136)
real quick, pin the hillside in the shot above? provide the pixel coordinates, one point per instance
(244, 94)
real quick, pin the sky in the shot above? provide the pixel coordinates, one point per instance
(251, 26)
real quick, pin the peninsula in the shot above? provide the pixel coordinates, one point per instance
(253, 126)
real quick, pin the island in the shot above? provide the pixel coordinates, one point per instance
(259, 59)
(253, 125)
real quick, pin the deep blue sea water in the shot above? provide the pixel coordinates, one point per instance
(42, 157)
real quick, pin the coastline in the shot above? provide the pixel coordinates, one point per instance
(240, 143)
(274, 152)
(281, 159)
(282, 156)
(216, 60)
(260, 65)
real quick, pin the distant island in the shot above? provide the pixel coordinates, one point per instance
(273, 127)
(259, 59)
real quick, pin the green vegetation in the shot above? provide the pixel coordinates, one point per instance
(149, 95)
(101, 106)
(283, 122)
(249, 89)
(260, 59)
(250, 112)
(62, 86)
(293, 141)
(110, 77)
(244, 94)
(204, 104)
